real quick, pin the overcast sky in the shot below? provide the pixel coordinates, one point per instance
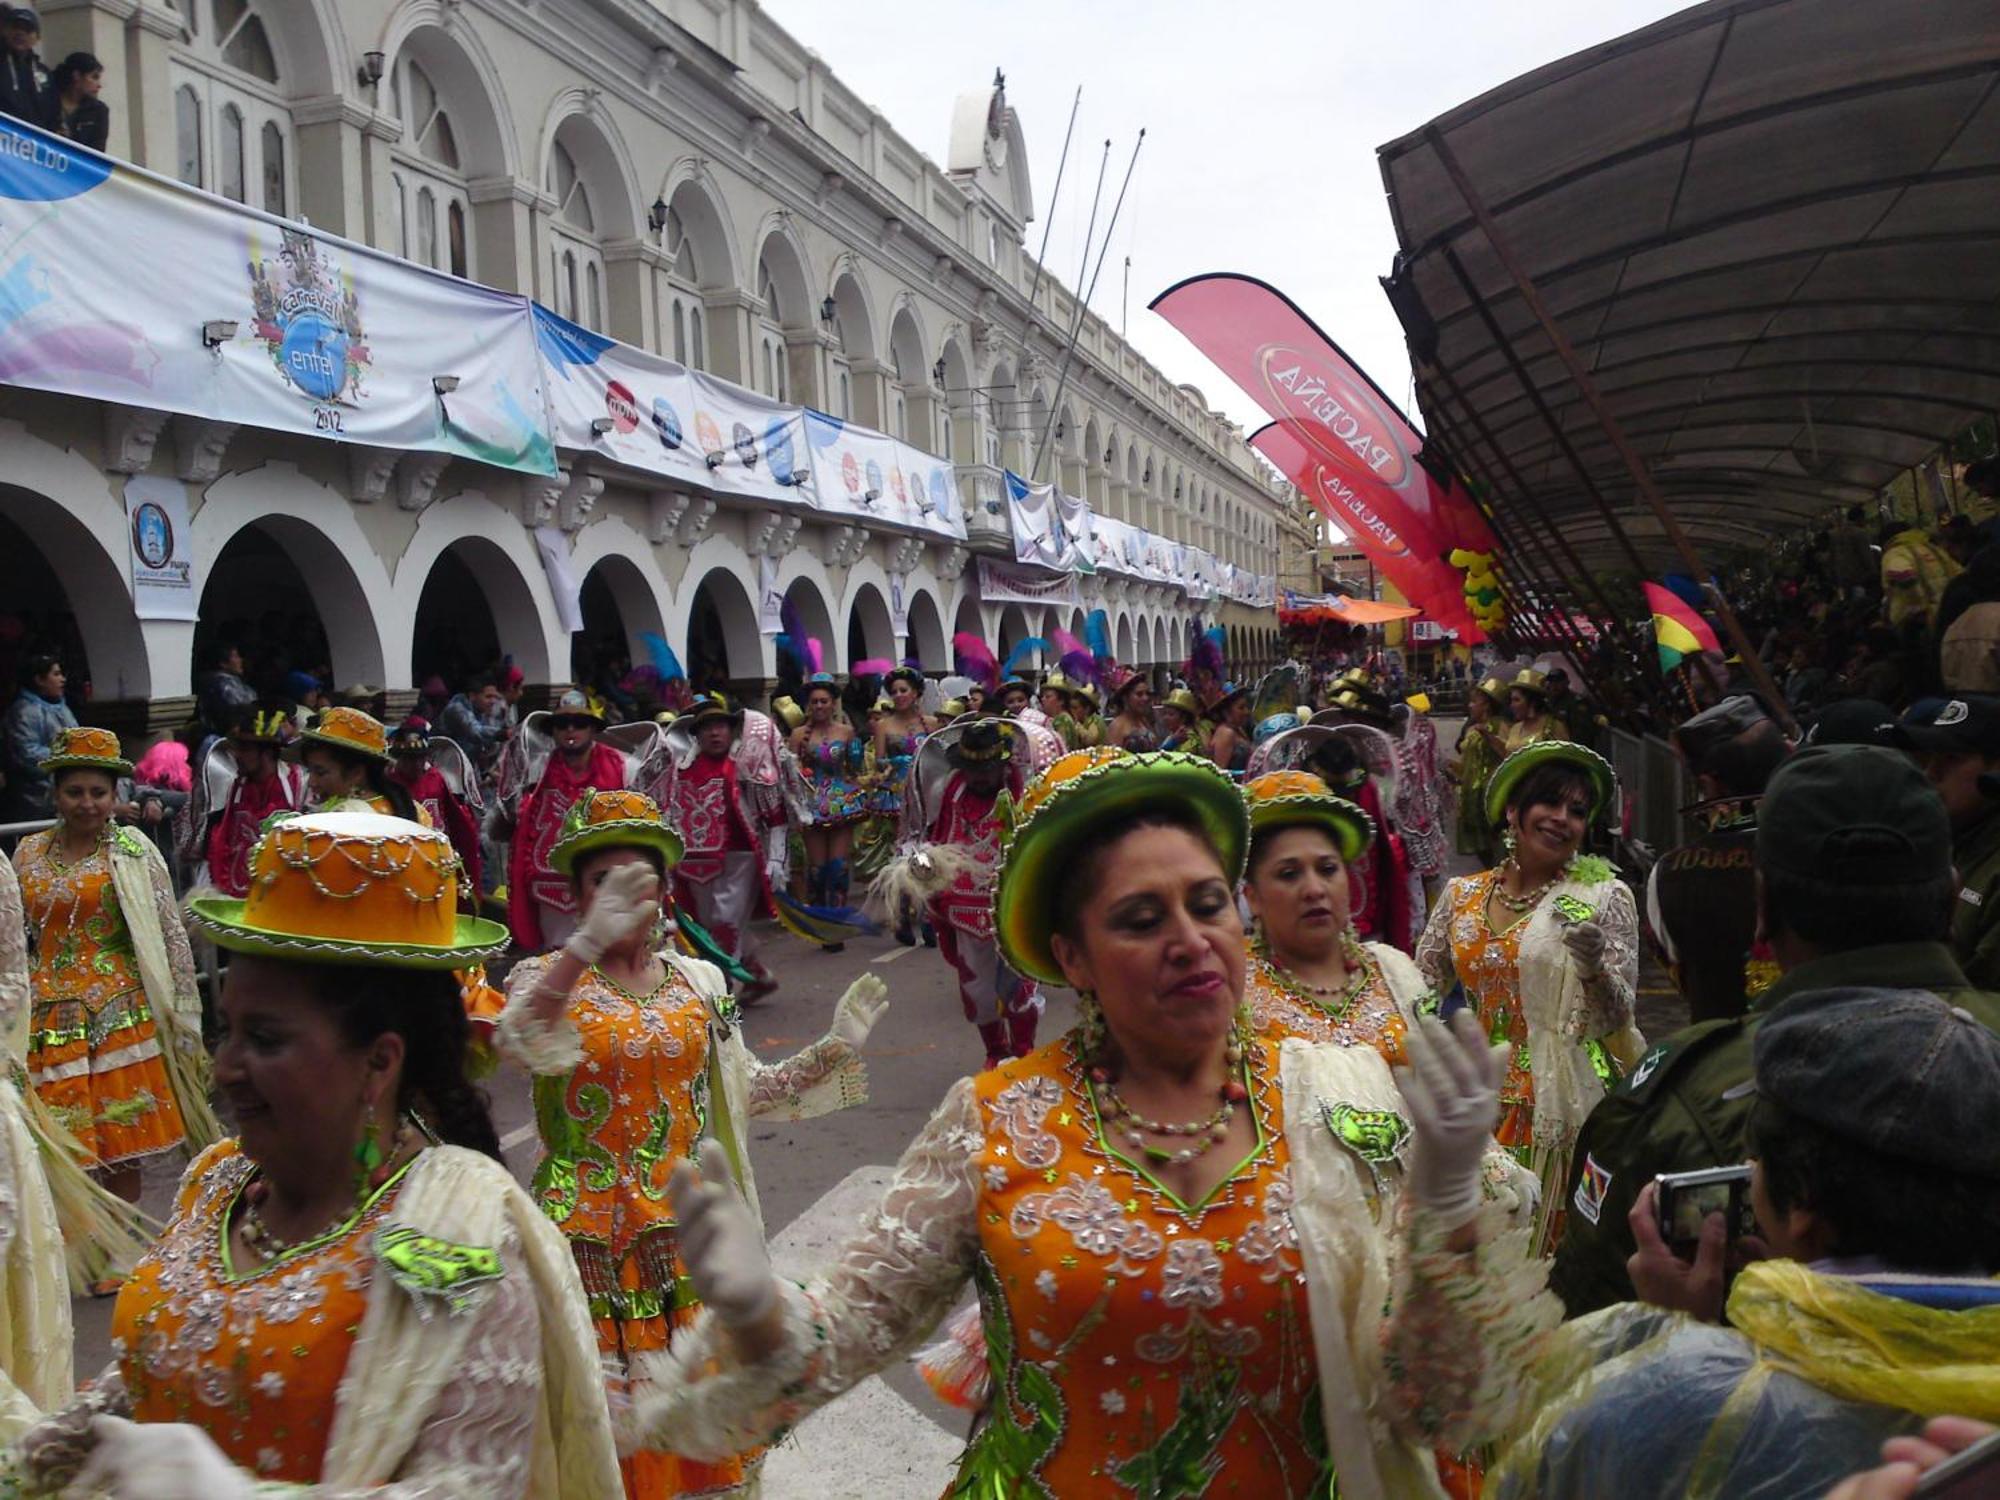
(1261, 125)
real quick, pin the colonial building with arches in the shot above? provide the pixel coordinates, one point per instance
(685, 177)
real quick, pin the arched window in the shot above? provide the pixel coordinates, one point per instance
(575, 231)
(187, 135)
(697, 341)
(273, 152)
(229, 153)
(566, 281)
(568, 189)
(681, 296)
(771, 336)
(426, 156)
(680, 342)
(232, 125)
(399, 214)
(596, 289)
(846, 399)
(427, 226)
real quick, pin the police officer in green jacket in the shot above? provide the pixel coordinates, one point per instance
(1854, 887)
(1956, 741)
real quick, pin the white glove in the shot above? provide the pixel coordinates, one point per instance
(1451, 1091)
(858, 1011)
(627, 902)
(720, 1242)
(1585, 941)
(157, 1461)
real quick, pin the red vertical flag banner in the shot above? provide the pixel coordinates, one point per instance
(1351, 446)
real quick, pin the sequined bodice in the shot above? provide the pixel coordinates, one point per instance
(1369, 1019)
(83, 949)
(613, 1129)
(254, 1357)
(1139, 1346)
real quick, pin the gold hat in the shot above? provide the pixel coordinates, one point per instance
(87, 749)
(352, 887)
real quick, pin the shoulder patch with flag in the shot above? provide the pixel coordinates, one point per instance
(1593, 1183)
(1678, 628)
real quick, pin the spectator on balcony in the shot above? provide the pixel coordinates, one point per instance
(26, 91)
(79, 113)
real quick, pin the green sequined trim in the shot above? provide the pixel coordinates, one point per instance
(427, 1267)
(1376, 1136)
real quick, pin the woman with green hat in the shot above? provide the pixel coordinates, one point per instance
(1180, 715)
(1206, 1263)
(1546, 946)
(352, 1295)
(637, 1052)
(1310, 975)
(1482, 745)
(1528, 702)
(114, 1043)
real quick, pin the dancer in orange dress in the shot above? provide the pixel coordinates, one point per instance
(637, 1053)
(114, 1045)
(1181, 1234)
(353, 1293)
(1546, 949)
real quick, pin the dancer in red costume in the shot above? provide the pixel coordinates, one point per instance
(721, 880)
(412, 748)
(263, 785)
(541, 907)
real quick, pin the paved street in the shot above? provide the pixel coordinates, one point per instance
(890, 1438)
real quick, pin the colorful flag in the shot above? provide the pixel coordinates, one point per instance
(1677, 629)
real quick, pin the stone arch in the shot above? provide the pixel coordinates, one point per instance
(691, 191)
(806, 595)
(870, 632)
(854, 309)
(1160, 642)
(909, 378)
(957, 402)
(504, 564)
(925, 638)
(1014, 629)
(468, 80)
(624, 559)
(853, 395)
(779, 251)
(317, 531)
(718, 600)
(966, 620)
(307, 40)
(45, 541)
(601, 156)
(1123, 643)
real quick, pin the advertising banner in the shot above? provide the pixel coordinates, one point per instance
(859, 472)
(634, 407)
(1011, 583)
(124, 286)
(1120, 547)
(750, 444)
(1051, 529)
(164, 585)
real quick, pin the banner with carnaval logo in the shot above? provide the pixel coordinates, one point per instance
(123, 286)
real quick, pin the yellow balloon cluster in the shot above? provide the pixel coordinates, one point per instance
(1482, 588)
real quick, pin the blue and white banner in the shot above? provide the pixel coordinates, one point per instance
(858, 472)
(124, 286)
(1051, 529)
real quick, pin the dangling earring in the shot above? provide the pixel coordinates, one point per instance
(1090, 1022)
(367, 1157)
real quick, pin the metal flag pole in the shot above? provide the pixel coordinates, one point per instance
(1049, 221)
(1089, 233)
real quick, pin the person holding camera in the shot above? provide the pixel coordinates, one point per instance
(1854, 886)
(1874, 1144)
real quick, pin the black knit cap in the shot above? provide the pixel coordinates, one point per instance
(1853, 815)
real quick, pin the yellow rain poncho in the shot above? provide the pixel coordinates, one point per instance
(1800, 1392)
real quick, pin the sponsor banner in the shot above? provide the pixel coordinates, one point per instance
(1120, 547)
(1051, 529)
(1013, 583)
(128, 287)
(164, 584)
(770, 598)
(553, 547)
(750, 444)
(606, 397)
(861, 473)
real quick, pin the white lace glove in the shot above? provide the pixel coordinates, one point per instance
(1451, 1090)
(157, 1461)
(627, 902)
(858, 1011)
(720, 1242)
(1585, 941)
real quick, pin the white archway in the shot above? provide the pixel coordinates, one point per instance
(925, 637)
(503, 560)
(93, 584)
(719, 603)
(806, 595)
(868, 626)
(1122, 647)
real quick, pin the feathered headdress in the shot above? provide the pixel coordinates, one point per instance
(972, 659)
(1206, 654)
(1021, 653)
(805, 653)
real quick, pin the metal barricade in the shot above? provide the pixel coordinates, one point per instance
(1655, 786)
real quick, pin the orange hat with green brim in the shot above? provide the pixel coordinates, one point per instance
(1063, 812)
(614, 820)
(1299, 799)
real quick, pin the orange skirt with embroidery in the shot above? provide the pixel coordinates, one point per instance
(101, 1074)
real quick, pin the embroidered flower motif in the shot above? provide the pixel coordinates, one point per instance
(201, 1329)
(271, 1384)
(1019, 1110)
(291, 1297)
(1270, 1240)
(1193, 1275)
(996, 1176)
(1096, 1221)
(1046, 1284)
(1113, 1402)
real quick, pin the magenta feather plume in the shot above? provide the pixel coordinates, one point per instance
(872, 666)
(1067, 644)
(1081, 666)
(972, 658)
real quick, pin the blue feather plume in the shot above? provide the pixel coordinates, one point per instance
(1097, 633)
(1020, 654)
(664, 661)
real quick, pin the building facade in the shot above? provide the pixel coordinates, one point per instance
(683, 176)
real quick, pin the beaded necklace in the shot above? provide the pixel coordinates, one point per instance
(1116, 1114)
(1334, 1000)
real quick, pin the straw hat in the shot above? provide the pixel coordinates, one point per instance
(613, 820)
(87, 749)
(352, 887)
(1182, 702)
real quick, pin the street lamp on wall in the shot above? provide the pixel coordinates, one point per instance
(370, 71)
(828, 310)
(656, 216)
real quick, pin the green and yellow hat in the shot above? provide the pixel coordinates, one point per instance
(352, 887)
(1061, 814)
(1596, 769)
(87, 749)
(1299, 799)
(613, 820)
(352, 730)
